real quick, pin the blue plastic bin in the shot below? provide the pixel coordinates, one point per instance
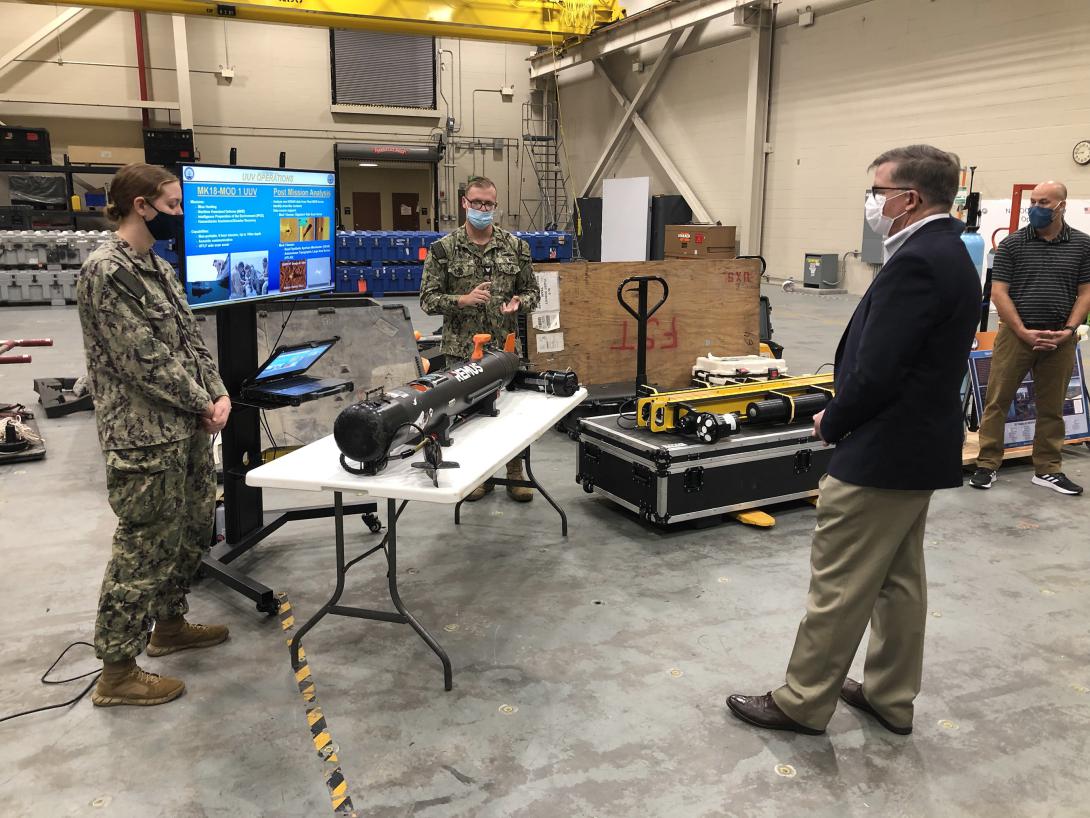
(375, 281)
(346, 279)
(343, 250)
(564, 246)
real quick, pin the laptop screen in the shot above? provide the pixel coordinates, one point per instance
(289, 361)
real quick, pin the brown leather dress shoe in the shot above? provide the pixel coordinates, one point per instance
(762, 711)
(852, 693)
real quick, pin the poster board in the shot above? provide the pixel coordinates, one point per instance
(713, 307)
(1022, 415)
(626, 219)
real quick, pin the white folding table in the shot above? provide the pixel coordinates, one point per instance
(481, 444)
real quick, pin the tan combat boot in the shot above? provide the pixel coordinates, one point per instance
(484, 488)
(172, 635)
(125, 683)
(519, 494)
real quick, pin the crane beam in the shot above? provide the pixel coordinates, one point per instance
(532, 22)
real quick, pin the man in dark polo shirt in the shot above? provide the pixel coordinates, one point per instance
(1041, 290)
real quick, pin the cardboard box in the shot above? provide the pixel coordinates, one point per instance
(700, 241)
(104, 155)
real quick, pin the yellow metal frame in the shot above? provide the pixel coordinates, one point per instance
(531, 22)
(662, 411)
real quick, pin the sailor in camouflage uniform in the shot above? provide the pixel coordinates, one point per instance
(158, 398)
(479, 278)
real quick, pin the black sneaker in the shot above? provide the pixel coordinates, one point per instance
(1057, 482)
(982, 479)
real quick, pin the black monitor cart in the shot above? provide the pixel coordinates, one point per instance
(246, 522)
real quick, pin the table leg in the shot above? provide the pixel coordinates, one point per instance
(391, 558)
(338, 528)
(402, 617)
(531, 483)
(530, 474)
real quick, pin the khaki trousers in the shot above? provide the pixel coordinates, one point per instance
(1012, 358)
(866, 564)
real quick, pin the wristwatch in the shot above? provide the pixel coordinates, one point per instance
(1074, 330)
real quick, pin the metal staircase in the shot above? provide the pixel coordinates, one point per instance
(551, 208)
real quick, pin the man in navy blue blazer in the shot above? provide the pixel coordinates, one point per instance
(896, 421)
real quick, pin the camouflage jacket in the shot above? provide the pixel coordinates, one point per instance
(455, 266)
(148, 368)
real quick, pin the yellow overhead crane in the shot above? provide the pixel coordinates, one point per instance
(532, 22)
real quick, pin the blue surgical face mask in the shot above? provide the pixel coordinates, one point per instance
(480, 219)
(1041, 217)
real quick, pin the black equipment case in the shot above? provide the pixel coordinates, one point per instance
(667, 479)
(22, 146)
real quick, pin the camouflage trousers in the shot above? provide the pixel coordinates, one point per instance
(164, 498)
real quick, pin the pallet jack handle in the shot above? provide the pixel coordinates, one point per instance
(641, 314)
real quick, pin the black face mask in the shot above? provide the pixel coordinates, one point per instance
(164, 226)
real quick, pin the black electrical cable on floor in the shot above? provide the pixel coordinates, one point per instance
(46, 681)
(816, 371)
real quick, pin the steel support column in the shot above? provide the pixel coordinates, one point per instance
(181, 62)
(756, 139)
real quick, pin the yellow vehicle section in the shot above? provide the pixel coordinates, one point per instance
(661, 411)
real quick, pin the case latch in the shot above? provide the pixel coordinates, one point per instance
(694, 479)
(803, 460)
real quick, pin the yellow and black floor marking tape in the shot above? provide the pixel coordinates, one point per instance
(319, 730)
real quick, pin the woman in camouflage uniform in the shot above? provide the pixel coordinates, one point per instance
(158, 400)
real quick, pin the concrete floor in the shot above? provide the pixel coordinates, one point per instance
(616, 649)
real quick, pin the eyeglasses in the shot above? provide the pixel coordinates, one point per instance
(874, 190)
(477, 204)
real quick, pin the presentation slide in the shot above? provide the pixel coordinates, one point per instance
(256, 233)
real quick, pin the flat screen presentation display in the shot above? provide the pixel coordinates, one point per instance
(256, 233)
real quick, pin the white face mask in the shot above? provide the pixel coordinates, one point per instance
(878, 221)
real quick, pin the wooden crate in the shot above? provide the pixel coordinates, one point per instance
(712, 308)
(971, 448)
